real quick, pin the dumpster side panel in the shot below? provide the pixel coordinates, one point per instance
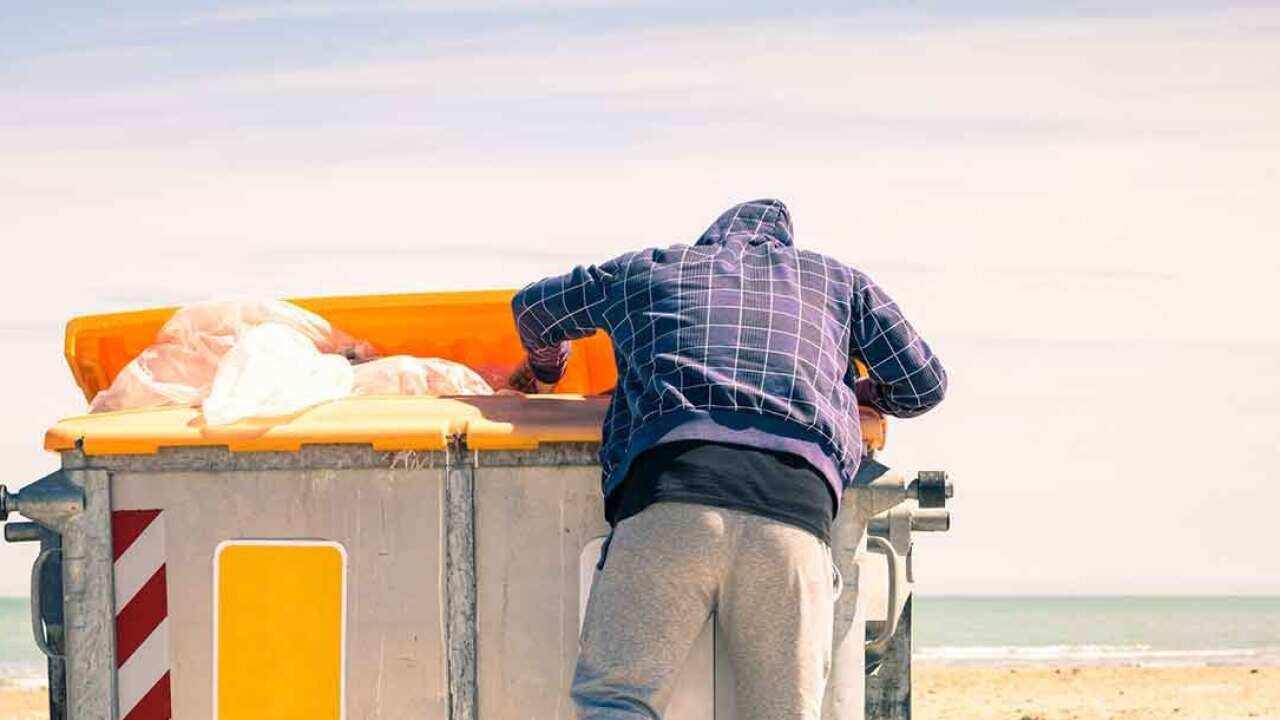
(388, 520)
(532, 524)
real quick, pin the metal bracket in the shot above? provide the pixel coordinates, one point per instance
(52, 501)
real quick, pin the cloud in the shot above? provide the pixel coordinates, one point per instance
(1024, 70)
(1023, 81)
(248, 14)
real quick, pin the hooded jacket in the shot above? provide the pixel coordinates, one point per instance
(739, 338)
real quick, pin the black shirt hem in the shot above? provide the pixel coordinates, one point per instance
(749, 508)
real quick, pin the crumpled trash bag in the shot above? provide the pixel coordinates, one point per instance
(406, 375)
(179, 368)
(162, 375)
(274, 370)
(240, 358)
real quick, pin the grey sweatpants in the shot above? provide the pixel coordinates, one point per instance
(669, 568)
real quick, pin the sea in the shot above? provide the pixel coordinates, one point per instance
(20, 662)
(1148, 631)
(975, 631)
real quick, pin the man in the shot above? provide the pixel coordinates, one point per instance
(730, 437)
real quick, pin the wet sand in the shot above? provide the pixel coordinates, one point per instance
(1024, 693)
(1097, 693)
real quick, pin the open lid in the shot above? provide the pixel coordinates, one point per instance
(473, 328)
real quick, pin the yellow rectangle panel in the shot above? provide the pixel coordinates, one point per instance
(279, 630)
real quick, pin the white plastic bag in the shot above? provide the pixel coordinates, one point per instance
(405, 375)
(212, 327)
(178, 369)
(162, 375)
(274, 370)
(239, 358)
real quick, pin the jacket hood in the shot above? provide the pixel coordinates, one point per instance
(755, 222)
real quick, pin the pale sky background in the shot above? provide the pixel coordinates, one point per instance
(1078, 207)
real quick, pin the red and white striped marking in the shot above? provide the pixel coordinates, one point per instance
(142, 612)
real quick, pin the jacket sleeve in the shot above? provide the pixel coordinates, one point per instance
(906, 378)
(551, 312)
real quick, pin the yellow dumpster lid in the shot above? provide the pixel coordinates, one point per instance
(472, 327)
(387, 422)
(383, 421)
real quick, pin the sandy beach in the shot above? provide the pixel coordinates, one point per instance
(1097, 693)
(1025, 693)
(23, 704)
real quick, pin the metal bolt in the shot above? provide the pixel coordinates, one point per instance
(16, 532)
(931, 488)
(930, 520)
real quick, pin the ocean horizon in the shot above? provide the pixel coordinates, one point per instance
(968, 630)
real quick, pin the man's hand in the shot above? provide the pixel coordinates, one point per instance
(865, 390)
(874, 428)
(523, 380)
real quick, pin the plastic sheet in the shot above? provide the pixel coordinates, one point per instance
(405, 375)
(274, 370)
(179, 368)
(242, 358)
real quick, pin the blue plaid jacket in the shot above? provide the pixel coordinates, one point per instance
(739, 338)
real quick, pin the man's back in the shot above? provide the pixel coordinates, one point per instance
(740, 338)
(736, 404)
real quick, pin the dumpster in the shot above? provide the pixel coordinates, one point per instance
(376, 556)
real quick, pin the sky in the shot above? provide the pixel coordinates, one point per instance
(1078, 205)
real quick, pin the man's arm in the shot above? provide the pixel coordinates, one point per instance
(551, 312)
(905, 377)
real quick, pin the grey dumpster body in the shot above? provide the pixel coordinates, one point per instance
(465, 570)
